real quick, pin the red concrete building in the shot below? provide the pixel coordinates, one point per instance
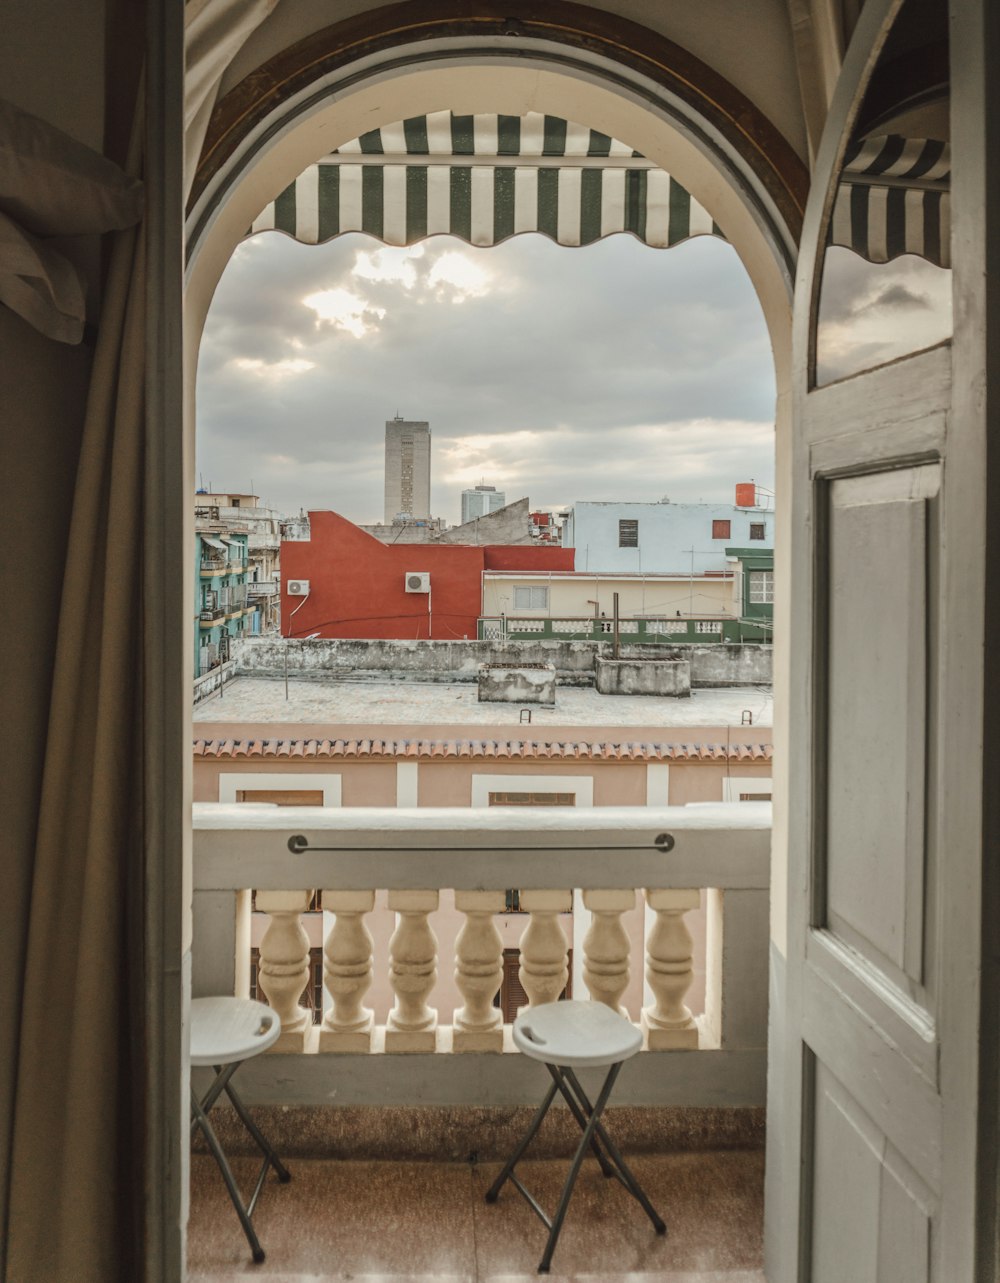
(360, 587)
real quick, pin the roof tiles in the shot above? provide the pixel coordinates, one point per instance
(644, 751)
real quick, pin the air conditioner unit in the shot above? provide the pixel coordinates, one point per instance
(298, 588)
(417, 581)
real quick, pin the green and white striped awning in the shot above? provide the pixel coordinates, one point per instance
(485, 178)
(894, 198)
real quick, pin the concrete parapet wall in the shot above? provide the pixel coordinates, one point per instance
(718, 664)
(523, 684)
(420, 661)
(642, 676)
(320, 659)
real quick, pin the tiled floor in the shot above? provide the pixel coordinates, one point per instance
(372, 1222)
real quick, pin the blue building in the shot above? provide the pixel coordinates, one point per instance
(220, 606)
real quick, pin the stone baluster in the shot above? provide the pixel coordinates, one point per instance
(347, 972)
(606, 947)
(543, 971)
(283, 966)
(412, 1025)
(668, 1024)
(478, 1025)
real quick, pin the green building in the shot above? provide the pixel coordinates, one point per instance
(756, 585)
(220, 606)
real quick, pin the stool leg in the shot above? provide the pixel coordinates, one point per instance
(580, 1116)
(201, 1119)
(630, 1182)
(494, 1190)
(283, 1173)
(588, 1132)
(222, 1077)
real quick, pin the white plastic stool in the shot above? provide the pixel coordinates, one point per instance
(224, 1033)
(565, 1036)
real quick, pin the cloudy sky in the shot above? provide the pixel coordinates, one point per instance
(610, 372)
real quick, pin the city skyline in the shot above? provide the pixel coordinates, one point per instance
(610, 372)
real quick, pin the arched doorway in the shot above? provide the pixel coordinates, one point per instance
(474, 78)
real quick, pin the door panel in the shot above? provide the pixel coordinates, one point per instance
(871, 1212)
(874, 575)
(878, 1122)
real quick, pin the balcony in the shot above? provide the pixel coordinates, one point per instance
(434, 1076)
(209, 616)
(214, 566)
(634, 632)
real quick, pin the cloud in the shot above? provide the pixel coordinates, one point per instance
(461, 276)
(345, 311)
(899, 295)
(605, 372)
(871, 313)
(389, 264)
(273, 369)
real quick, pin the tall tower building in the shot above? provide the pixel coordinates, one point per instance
(481, 501)
(407, 468)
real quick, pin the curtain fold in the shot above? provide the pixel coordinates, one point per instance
(74, 1198)
(70, 1214)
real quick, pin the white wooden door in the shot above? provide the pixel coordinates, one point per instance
(876, 1159)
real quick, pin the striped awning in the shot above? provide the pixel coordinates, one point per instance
(894, 198)
(485, 178)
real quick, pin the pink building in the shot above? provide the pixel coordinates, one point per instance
(367, 765)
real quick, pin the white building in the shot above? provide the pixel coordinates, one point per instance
(664, 538)
(481, 501)
(407, 468)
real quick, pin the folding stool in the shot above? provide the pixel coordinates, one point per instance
(566, 1036)
(224, 1033)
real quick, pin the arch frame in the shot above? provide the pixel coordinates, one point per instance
(569, 60)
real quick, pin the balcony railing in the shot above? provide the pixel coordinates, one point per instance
(589, 862)
(262, 588)
(666, 631)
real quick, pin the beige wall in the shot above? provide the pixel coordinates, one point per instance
(448, 782)
(573, 598)
(362, 783)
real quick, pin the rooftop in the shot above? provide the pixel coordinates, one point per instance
(398, 703)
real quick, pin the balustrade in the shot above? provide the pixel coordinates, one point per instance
(668, 1023)
(283, 966)
(412, 1025)
(347, 972)
(478, 1025)
(727, 850)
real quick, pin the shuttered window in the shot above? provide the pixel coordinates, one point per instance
(532, 598)
(761, 587)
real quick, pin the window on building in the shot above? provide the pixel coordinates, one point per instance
(531, 598)
(758, 530)
(628, 534)
(532, 799)
(282, 797)
(761, 587)
(720, 529)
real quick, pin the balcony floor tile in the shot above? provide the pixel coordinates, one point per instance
(382, 1222)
